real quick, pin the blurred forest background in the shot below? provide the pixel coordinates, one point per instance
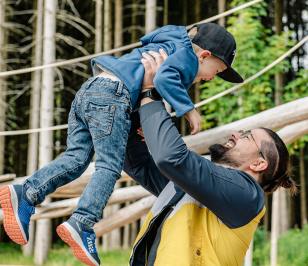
(30, 36)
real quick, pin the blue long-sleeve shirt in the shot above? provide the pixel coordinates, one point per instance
(175, 75)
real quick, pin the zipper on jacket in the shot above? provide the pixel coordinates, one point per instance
(145, 233)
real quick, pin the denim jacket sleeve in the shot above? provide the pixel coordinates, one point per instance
(232, 195)
(139, 163)
(174, 77)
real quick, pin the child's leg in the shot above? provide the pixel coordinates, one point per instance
(71, 164)
(17, 200)
(108, 116)
(107, 113)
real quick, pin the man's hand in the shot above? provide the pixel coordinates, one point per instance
(151, 62)
(194, 119)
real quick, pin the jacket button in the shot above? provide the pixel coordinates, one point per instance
(198, 252)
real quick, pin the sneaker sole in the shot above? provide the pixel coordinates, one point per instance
(68, 235)
(11, 223)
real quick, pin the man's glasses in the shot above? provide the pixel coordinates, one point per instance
(246, 134)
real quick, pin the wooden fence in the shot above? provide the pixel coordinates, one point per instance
(130, 202)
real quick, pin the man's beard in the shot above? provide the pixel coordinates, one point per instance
(222, 155)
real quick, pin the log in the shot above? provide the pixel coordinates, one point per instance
(124, 216)
(274, 118)
(7, 177)
(292, 132)
(78, 185)
(119, 196)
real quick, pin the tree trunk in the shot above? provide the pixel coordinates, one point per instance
(221, 9)
(3, 85)
(283, 199)
(118, 35)
(275, 228)
(32, 158)
(249, 255)
(150, 15)
(166, 12)
(107, 25)
(118, 25)
(134, 21)
(43, 231)
(98, 26)
(184, 12)
(197, 12)
(278, 30)
(303, 187)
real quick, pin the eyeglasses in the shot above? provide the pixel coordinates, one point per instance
(246, 134)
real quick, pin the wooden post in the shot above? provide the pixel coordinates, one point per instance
(150, 15)
(43, 231)
(249, 255)
(3, 84)
(118, 25)
(302, 175)
(98, 26)
(33, 139)
(275, 228)
(221, 9)
(126, 231)
(166, 11)
(107, 25)
(115, 235)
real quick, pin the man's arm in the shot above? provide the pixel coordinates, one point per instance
(139, 163)
(231, 194)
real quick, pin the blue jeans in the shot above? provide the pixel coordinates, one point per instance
(99, 121)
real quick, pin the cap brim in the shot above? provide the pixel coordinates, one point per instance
(230, 75)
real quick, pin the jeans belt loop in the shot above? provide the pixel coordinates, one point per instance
(119, 88)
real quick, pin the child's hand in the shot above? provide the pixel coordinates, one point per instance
(194, 119)
(140, 133)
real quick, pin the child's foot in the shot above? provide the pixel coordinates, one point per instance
(81, 241)
(16, 213)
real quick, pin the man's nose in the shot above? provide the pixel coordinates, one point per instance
(235, 134)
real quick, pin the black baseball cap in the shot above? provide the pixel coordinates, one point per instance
(220, 43)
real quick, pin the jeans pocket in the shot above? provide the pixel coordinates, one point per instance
(100, 119)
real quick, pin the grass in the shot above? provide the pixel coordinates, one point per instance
(10, 254)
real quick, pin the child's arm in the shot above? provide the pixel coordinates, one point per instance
(194, 119)
(178, 69)
(173, 73)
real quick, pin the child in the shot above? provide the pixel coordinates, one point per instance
(99, 121)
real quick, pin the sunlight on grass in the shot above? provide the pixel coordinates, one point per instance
(11, 254)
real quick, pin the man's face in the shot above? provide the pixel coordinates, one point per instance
(209, 67)
(241, 149)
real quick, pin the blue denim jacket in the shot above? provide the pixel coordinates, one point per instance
(173, 78)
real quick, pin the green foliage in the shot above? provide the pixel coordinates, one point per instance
(297, 89)
(293, 248)
(257, 47)
(11, 254)
(261, 248)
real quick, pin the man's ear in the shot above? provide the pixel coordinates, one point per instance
(204, 54)
(258, 165)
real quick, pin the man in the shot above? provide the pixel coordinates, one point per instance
(207, 211)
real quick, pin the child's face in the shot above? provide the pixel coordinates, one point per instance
(209, 66)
